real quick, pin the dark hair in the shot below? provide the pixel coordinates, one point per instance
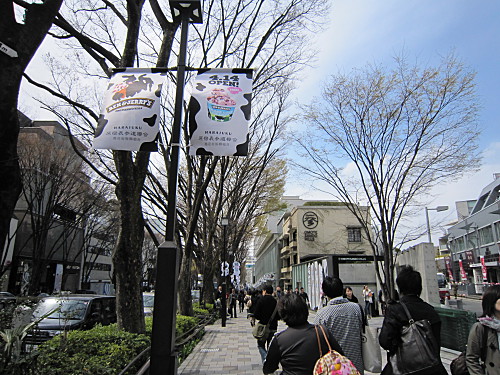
(490, 297)
(409, 281)
(332, 286)
(268, 289)
(293, 310)
(344, 294)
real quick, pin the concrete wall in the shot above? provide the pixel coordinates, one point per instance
(422, 258)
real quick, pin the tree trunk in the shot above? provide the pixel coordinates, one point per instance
(25, 40)
(127, 255)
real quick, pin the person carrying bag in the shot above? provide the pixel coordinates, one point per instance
(411, 331)
(261, 331)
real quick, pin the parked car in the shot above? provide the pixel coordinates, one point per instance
(148, 300)
(69, 312)
(6, 298)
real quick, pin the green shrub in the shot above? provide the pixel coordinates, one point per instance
(200, 311)
(184, 324)
(101, 350)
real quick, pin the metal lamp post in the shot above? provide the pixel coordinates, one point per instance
(438, 209)
(224, 222)
(163, 356)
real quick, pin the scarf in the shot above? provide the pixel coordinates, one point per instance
(490, 322)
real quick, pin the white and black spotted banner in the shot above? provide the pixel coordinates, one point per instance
(131, 111)
(219, 112)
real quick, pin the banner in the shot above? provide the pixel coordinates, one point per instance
(131, 111)
(447, 262)
(463, 275)
(483, 269)
(219, 112)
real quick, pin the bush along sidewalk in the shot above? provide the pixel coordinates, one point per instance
(100, 350)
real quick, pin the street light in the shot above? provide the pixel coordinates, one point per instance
(438, 209)
(224, 222)
(163, 356)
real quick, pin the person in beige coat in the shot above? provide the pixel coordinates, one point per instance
(489, 324)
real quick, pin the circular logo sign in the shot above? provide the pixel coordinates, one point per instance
(310, 220)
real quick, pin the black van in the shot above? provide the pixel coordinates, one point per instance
(69, 312)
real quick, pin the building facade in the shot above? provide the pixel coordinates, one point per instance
(51, 238)
(316, 229)
(474, 241)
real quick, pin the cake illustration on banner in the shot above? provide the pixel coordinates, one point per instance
(220, 105)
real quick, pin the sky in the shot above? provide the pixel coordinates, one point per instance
(374, 31)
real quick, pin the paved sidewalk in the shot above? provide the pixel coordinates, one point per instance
(233, 350)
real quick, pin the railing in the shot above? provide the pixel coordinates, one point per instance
(180, 341)
(455, 327)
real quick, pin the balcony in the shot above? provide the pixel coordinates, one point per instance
(286, 270)
(285, 250)
(293, 244)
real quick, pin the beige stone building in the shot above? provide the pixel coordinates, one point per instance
(316, 229)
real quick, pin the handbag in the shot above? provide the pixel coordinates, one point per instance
(261, 331)
(332, 363)
(417, 350)
(459, 367)
(372, 355)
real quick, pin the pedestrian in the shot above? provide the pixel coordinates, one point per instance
(349, 294)
(296, 291)
(296, 348)
(382, 302)
(304, 296)
(218, 297)
(409, 283)
(241, 300)
(343, 319)
(368, 297)
(233, 299)
(263, 312)
(489, 324)
(279, 293)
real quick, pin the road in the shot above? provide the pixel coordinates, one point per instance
(473, 305)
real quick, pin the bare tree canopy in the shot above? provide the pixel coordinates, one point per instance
(401, 131)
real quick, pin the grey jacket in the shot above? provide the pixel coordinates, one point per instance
(473, 354)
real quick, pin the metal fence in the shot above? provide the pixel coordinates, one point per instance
(455, 327)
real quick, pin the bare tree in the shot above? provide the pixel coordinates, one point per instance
(53, 198)
(401, 131)
(271, 38)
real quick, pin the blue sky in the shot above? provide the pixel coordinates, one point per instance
(369, 31)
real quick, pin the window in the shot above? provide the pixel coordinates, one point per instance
(354, 234)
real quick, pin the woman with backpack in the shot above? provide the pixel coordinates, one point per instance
(489, 324)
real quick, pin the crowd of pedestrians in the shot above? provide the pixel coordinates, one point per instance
(340, 325)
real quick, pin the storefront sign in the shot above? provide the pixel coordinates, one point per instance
(310, 235)
(219, 112)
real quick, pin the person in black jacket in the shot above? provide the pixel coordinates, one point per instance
(263, 312)
(296, 348)
(409, 283)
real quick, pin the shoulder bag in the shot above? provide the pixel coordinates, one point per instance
(332, 363)
(417, 351)
(261, 331)
(459, 367)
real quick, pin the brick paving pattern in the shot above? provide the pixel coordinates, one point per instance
(233, 350)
